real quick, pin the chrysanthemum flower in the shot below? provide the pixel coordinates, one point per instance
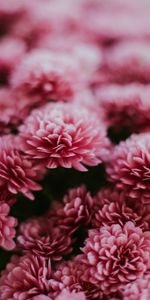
(26, 277)
(117, 255)
(16, 171)
(89, 56)
(46, 76)
(78, 205)
(74, 211)
(7, 227)
(69, 276)
(122, 104)
(63, 135)
(38, 237)
(112, 206)
(137, 290)
(129, 166)
(129, 61)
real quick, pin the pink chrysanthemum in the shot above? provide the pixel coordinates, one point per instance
(37, 237)
(137, 290)
(64, 135)
(117, 255)
(122, 104)
(26, 277)
(78, 205)
(89, 56)
(46, 76)
(129, 166)
(129, 61)
(16, 171)
(7, 227)
(112, 207)
(70, 276)
(73, 212)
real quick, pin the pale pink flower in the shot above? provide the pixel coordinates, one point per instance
(110, 22)
(137, 290)
(129, 61)
(45, 76)
(37, 237)
(129, 166)
(65, 135)
(16, 171)
(26, 277)
(7, 228)
(117, 255)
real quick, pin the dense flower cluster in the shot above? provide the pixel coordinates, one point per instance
(75, 138)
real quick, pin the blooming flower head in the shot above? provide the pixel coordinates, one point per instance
(129, 61)
(38, 238)
(63, 135)
(117, 255)
(112, 207)
(26, 277)
(122, 104)
(16, 171)
(7, 227)
(137, 290)
(70, 275)
(129, 166)
(77, 209)
(45, 76)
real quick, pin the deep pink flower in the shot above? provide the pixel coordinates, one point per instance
(70, 276)
(117, 255)
(38, 237)
(7, 227)
(26, 277)
(16, 171)
(137, 290)
(64, 135)
(129, 166)
(122, 104)
(112, 206)
(73, 212)
(78, 205)
(46, 76)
